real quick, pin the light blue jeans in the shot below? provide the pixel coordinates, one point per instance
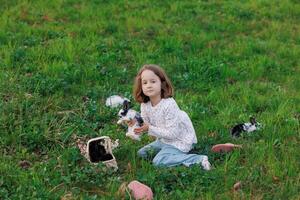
(168, 155)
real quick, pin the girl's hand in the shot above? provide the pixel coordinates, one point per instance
(131, 123)
(142, 129)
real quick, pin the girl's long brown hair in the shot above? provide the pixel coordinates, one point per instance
(167, 89)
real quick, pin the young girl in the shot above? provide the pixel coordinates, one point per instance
(172, 127)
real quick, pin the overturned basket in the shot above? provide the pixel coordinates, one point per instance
(100, 150)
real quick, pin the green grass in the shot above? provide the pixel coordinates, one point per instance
(228, 60)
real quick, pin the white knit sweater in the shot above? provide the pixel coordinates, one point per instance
(169, 124)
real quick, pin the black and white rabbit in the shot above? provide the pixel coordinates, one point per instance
(126, 115)
(115, 101)
(248, 127)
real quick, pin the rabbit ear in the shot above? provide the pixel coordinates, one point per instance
(139, 119)
(126, 105)
(252, 120)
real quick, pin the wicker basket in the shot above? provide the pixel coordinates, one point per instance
(100, 150)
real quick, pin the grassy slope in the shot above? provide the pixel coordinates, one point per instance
(228, 61)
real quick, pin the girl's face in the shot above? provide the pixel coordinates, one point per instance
(151, 84)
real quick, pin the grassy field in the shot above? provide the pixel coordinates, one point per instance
(228, 60)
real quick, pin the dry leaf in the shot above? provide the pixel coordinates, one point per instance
(24, 164)
(237, 186)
